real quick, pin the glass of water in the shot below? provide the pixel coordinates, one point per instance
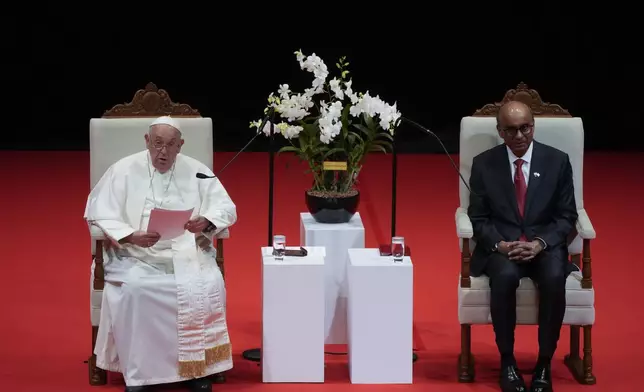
(398, 249)
(279, 247)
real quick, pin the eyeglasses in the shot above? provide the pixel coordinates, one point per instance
(525, 130)
(158, 145)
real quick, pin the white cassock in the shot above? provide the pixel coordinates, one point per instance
(163, 315)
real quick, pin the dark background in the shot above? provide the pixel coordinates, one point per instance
(66, 66)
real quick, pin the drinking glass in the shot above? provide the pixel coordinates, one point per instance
(398, 249)
(279, 246)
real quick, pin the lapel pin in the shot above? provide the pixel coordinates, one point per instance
(536, 174)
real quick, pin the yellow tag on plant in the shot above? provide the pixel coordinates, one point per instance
(334, 166)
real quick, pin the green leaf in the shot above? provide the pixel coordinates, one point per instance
(308, 128)
(385, 144)
(356, 136)
(307, 121)
(331, 152)
(344, 118)
(368, 120)
(376, 147)
(368, 132)
(303, 142)
(288, 149)
(351, 138)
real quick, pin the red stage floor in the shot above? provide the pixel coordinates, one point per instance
(45, 333)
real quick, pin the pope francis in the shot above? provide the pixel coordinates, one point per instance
(163, 316)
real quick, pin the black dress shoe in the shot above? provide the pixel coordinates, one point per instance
(511, 380)
(140, 388)
(200, 385)
(541, 379)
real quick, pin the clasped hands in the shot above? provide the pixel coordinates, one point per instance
(521, 251)
(145, 240)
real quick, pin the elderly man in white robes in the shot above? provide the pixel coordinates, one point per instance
(163, 317)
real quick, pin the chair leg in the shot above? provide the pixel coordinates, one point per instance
(589, 376)
(466, 359)
(218, 378)
(581, 369)
(97, 376)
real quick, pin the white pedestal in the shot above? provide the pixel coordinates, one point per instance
(337, 239)
(293, 317)
(380, 321)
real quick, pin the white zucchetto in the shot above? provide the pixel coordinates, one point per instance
(167, 120)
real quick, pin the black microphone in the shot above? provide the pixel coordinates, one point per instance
(427, 131)
(203, 176)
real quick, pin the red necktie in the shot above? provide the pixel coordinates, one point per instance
(520, 188)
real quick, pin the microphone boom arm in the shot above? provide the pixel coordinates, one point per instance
(427, 131)
(268, 116)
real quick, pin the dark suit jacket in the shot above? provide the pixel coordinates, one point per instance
(550, 209)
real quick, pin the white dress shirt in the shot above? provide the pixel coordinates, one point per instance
(527, 158)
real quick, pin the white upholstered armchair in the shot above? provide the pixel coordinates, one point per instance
(119, 133)
(554, 126)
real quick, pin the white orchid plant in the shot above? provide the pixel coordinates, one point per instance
(331, 122)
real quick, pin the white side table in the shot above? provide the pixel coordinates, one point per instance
(337, 239)
(380, 318)
(293, 317)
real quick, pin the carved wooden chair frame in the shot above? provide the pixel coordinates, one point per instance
(149, 102)
(581, 369)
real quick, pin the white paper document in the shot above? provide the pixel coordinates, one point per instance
(168, 223)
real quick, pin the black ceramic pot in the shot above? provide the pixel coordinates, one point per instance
(332, 209)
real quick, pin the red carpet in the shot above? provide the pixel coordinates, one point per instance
(45, 330)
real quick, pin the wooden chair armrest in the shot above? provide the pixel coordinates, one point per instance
(99, 271)
(220, 256)
(465, 264)
(584, 226)
(96, 233)
(464, 232)
(97, 236)
(586, 265)
(464, 228)
(223, 235)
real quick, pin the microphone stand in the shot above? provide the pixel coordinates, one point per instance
(393, 198)
(394, 182)
(255, 354)
(271, 176)
(394, 188)
(394, 174)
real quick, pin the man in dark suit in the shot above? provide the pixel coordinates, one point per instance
(522, 208)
